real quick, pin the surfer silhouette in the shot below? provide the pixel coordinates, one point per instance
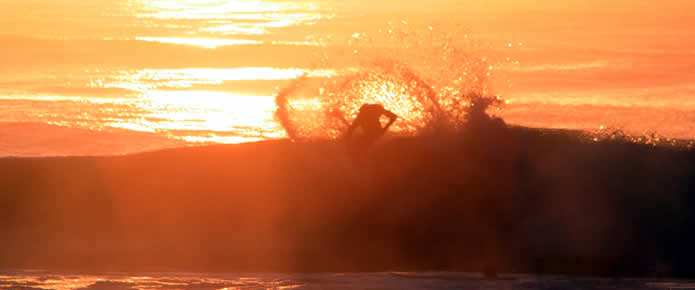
(368, 120)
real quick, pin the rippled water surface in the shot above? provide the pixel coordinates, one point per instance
(392, 280)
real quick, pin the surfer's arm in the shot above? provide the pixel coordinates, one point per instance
(392, 118)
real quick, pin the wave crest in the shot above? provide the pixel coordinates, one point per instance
(319, 109)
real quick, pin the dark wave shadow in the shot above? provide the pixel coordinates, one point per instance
(490, 197)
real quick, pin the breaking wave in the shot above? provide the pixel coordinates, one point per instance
(430, 80)
(430, 85)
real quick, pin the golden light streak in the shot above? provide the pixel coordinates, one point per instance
(147, 79)
(167, 102)
(227, 17)
(258, 24)
(202, 42)
(214, 114)
(214, 9)
(233, 74)
(59, 281)
(554, 67)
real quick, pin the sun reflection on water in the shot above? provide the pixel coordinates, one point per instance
(44, 280)
(191, 104)
(214, 9)
(210, 111)
(202, 42)
(213, 20)
(174, 107)
(147, 79)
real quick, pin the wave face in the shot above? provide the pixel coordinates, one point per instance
(527, 200)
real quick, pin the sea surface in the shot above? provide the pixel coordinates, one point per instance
(143, 75)
(37, 279)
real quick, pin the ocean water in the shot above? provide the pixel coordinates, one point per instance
(383, 280)
(191, 72)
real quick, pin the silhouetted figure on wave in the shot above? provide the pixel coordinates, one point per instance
(368, 120)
